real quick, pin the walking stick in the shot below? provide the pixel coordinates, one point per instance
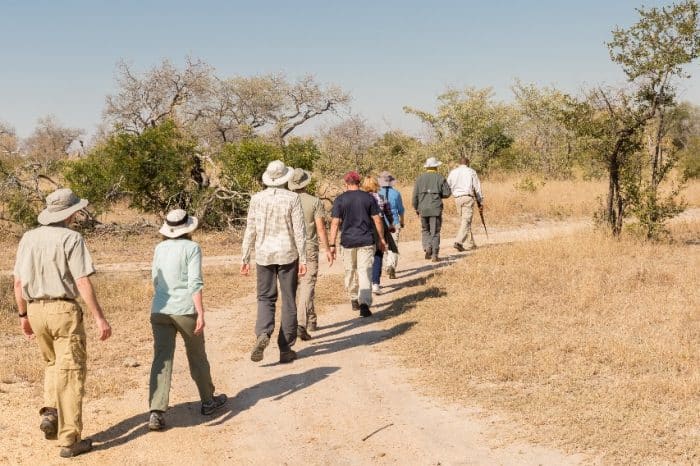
(481, 211)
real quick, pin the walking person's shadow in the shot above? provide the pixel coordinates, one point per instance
(187, 414)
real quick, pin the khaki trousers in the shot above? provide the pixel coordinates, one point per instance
(391, 259)
(306, 312)
(165, 328)
(59, 330)
(465, 208)
(357, 263)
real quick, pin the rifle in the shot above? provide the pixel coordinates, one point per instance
(481, 211)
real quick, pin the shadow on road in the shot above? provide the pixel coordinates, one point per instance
(187, 414)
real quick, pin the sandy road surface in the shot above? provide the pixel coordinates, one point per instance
(344, 401)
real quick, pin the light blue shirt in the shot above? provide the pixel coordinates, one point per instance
(393, 197)
(177, 275)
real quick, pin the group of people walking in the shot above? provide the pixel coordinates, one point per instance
(286, 227)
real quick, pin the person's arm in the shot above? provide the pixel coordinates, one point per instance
(335, 225)
(400, 209)
(22, 308)
(323, 238)
(445, 190)
(195, 284)
(299, 227)
(414, 198)
(379, 225)
(87, 292)
(248, 238)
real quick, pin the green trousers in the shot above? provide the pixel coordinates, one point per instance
(165, 329)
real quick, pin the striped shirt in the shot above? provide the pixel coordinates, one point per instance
(276, 226)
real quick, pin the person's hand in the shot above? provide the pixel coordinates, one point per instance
(417, 213)
(392, 229)
(26, 328)
(245, 269)
(104, 330)
(383, 246)
(329, 257)
(402, 225)
(302, 270)
(199, 327)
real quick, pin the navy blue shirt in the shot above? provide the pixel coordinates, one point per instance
(355, 210)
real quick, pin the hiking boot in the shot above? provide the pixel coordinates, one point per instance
(212, 405)
(260, 345)
(428, 253)
(435, 259)
(78, 448)
(459, 247)
(364, 311)
(287, 356)
(311, 326)
(156, 420)
(376, 289)
(355, 305)
(391, 272)
(303, 334)
(49, 424)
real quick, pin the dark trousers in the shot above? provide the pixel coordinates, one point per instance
(268, 275)
(377, 266)
(430, 229)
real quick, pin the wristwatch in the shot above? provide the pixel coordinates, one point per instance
(22, 316)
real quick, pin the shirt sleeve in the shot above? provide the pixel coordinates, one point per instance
(445, 190)
(194, 270)
(336, 210)
(17, 271)
(319, 211)
(399, 204)
(79, 260)
(299, 227)
(249, 235)
(374, 206)
(477, 187)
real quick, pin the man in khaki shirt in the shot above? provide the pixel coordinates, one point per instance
(52, 268)
(314, 219)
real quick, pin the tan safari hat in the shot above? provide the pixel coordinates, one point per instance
(300, 178)
(60, 205)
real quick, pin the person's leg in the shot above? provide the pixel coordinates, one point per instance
(200, 370)
(164, 333)
(267, 299)
(65, 322)
(288, 276)
(349, 256)
(391, 259)
(462, 231)
(426, 238)
(435, 227)
(365, 257)
(37, 320)
(305, 292)
(467, 216)
(377, 267)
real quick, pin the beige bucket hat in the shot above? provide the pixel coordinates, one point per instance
(385, 179)
(60, 205)
(432, 162)
(178, 223)
(277, 174)
(300, 179)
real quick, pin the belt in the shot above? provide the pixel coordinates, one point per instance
(48, 300)
(465, 195)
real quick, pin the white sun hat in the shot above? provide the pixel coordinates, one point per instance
(277, 174)
(178, 223)
(432, 162)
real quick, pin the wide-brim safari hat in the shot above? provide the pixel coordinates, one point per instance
(300, 179)
(277, 174)
(385, 179)
(60, 205)
(432, 162)
(178, 223)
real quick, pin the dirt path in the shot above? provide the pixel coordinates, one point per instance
(344, 401)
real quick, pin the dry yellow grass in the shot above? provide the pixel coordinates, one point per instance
(591, 344)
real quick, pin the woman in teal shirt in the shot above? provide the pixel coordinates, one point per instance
(177, 308)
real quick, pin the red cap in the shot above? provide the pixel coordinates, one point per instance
(352, 178)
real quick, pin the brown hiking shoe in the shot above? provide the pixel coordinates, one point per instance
(260, 345)
(287, 356)
(428, 253)
(49, 424)
(355, 305)
(303, 334)
(156, 420)
(459, 247)
(311, 326)
(78, 448)
(435, 259)
(391, 272)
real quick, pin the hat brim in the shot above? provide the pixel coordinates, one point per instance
(175, 232)
(267, 181)
(302, 184)
(46, 217)
(430, 165)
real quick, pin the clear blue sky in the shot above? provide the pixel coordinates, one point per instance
(58, 57)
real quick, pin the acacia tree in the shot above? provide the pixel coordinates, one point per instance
(469, 122)
(652, 54)
(51, 142)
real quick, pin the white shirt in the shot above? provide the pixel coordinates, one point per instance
(463, 181)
